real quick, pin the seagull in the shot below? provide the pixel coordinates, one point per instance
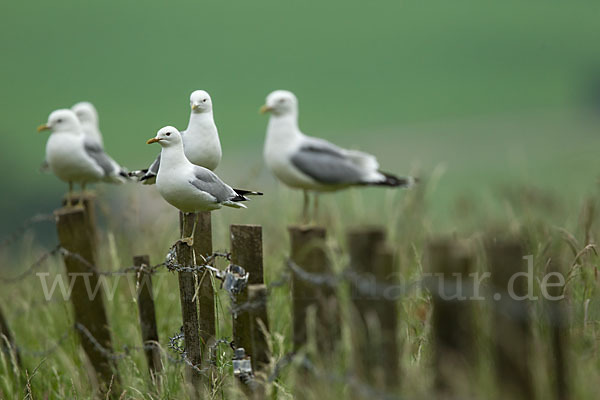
(200, 139)
(189, 187)
(71, 157)
(313, 164)
(88, 117)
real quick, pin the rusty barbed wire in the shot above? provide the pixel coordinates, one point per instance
(364, 284)
(176, 343)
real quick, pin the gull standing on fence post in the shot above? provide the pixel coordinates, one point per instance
(74, 159)
(313, 164)
(200, 140)
(88, 118)
(189, 187)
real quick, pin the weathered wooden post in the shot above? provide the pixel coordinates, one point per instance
(449, 264)
(259, 322)
(247, 252)
(308, 251)
(203, 247)
(189, 311)
(147, 314)
(75, 236)
(7, 342)
(374, 291)
(512, 330)
(88, 202)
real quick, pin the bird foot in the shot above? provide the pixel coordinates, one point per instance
(188, 240)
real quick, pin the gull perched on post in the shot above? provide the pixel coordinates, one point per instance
(189, 187)
(74, 159)
(200, 140)
(88, 118)
(313, 164)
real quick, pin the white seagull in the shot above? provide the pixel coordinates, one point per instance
(71, 157)
(88, 117)
(200, 139)
(189, 187)
(313, 164)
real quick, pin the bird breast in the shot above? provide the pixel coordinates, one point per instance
(177, 190)
(68, 160)
(203, 148)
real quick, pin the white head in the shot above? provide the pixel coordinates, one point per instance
(86, 113)
(281, 102)
(166, 137)
(62, 121)
(200, 102)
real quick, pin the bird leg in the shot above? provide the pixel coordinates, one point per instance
(188, 240)
(80, 201)
(316, 207)
(70, 195)
(305, 207)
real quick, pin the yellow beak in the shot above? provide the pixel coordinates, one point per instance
(43, 127)
(195, 106)
(265, 109)
(153, 140)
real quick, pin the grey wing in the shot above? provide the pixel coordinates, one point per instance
(148, 176)
(326, 163)
(155, 165)
(96, 152)
(209, 182)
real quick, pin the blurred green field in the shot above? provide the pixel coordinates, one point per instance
(492, 92)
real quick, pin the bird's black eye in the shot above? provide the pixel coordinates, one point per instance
(204, 101)
(168, 133)
(59, 120)
(281, 100)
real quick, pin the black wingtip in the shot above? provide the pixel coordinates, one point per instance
(395, 181)
(147, 176)
(243, 192)
(137, 174)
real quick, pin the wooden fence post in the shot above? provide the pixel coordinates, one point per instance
(10, 348)
(512, 330)
(74, 234)
(247, 252)
(189, 311)
(88, 201)
(203, 247)
(308, 251)
(374, 291)
(449, 264)
(147, 315)
(257, 297)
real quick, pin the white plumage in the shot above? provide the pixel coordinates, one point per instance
(188, 187)
(200, 140)
(314, 164)
(71, 157)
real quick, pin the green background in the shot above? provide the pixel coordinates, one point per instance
(489, 92)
